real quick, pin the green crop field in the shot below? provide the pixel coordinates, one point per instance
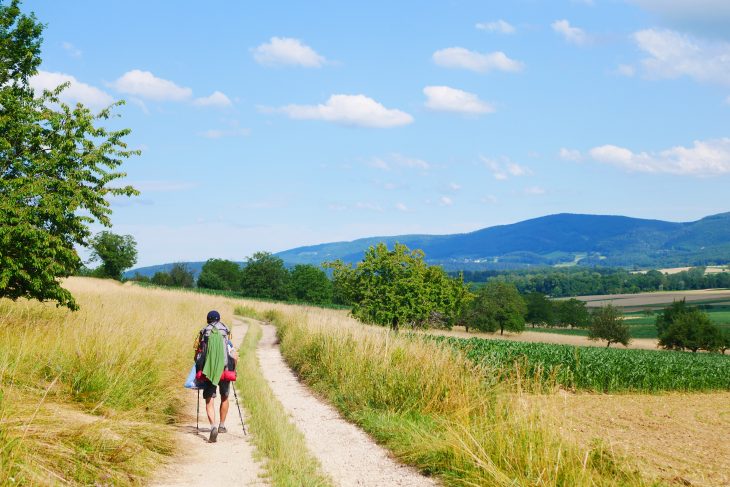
(598, 369)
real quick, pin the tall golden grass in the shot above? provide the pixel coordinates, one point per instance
(87, 397)
(433, 408)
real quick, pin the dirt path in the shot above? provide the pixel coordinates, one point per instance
(540, 337)
(347, 454)
(229, 461)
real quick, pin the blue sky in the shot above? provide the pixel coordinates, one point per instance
(269, 125)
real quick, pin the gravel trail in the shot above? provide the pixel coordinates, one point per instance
(228, 462)
(348, 455)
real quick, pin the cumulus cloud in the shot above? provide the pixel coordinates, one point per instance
(454, 186)
(704, 158)
(534, 191)
(285, 51)
(672, 54)
(215, 99)
(458, 57)
(446, 201)
(357, 110)
(366, 205)
(503, 168)
(574, 35)
(402, 207)
(570, 155)
(626, 70)
(500, 26)
(144, 84)
(446, 99)
(77, 92)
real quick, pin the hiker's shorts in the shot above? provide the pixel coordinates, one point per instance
(209, 389)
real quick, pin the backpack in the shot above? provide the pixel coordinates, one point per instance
(201, 352)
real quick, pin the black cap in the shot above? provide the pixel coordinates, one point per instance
(213, 316)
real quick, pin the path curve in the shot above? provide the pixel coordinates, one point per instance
(348, 455)
(229, 461)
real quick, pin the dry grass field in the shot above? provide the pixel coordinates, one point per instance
(632, 302)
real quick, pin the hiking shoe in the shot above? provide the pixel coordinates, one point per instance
(222, 429)
(213, 435)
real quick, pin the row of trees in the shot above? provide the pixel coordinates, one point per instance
(583, 282)
(263, 275)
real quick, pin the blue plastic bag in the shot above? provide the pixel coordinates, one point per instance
(190, 381)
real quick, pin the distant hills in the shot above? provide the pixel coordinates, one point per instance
(556, 240)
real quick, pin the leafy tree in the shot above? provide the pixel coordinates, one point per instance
(608, 324)
(540, 309)
(311, 284)
(573, 312)
(497, 306)
(344, 283)
(692, 330)
(181, 276)
(264, 276)
(669, 315)
(56, 168)
(397, 288)
(161, 278)
(116, 253)
(220, 274)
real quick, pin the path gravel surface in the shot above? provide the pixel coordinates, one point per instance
(227, 462)
(348, 455)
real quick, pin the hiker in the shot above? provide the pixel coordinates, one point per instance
(215, 360)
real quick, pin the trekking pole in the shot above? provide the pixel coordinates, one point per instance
(197, 415)
(239, 410)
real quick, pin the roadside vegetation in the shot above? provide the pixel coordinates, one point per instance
(280, 445)
(87, 397)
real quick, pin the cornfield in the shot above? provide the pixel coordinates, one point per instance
(542, 365)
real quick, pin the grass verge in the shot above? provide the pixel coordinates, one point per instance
(433, 409)
(287, 459)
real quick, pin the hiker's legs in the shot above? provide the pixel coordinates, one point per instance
(225, 388)
(209, 395)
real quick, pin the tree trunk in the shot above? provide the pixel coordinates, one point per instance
(608, 344)
(394, 325)
(501, 330)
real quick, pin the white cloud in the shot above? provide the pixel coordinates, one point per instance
(146, 85)
(216, 99)
(489, 199)
(534, 191)
(626, 70)
(285, 51)
(504, 168)
(358, 110)
(446, 201)
(220, 133)
(672, 54)
(500, 26)
(458, 57)
(570, 155)
(574, 35)
(402, 207)
(72, 50)
(454, 186)
(77, 91)
(379, 163)
(446, 99)
(704, 158)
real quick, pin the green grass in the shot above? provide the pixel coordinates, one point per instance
(432, 408)
(287, 460)
(596, 368)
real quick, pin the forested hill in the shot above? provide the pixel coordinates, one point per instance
(563, 239)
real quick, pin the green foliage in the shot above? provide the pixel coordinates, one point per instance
(397, 287)
(220, 274)
(497, 306)
(598, 368)
(607, 323)
(310, 284)
(540, 310)
(116, 253)
(181, 276)
(56, 167)
(692, 330)
(669, 315)
(264, 276)
(572, 312)
(161, 278)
